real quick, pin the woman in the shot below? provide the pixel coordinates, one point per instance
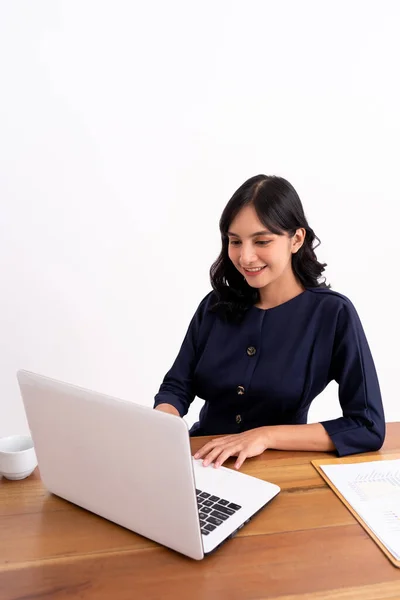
(269, 339)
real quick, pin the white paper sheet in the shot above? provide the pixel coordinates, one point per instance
(373, 491)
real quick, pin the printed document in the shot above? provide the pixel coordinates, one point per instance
(373, 491)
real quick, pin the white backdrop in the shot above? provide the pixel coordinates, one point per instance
(125, 127)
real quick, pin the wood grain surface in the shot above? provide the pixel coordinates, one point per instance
(305, 545)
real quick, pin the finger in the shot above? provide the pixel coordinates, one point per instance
(205, 449)
(227, 453)
(212, 456)
(210, 445)
(241, 458)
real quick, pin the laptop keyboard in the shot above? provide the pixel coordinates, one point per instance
(213, 511)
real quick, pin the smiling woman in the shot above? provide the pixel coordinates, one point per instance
(264, 231)
(261, 257)
(270, 337)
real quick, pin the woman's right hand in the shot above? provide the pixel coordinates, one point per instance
(167, 408)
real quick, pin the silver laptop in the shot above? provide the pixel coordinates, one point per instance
(132, 465)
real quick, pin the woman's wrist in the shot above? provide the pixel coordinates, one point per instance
(268, 436)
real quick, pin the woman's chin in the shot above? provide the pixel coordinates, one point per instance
(257, 282)
(255, 278)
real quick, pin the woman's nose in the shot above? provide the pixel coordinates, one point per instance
(247, 254)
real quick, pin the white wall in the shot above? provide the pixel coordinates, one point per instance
(124, 129)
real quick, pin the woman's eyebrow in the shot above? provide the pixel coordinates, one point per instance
(264, 232)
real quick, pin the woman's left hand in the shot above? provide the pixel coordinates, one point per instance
(243, 445)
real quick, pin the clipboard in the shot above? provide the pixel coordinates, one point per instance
(317, 464)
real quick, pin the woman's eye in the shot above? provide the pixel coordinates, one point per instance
(234, 242)
(263, 242)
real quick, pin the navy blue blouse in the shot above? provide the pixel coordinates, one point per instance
(267, 369)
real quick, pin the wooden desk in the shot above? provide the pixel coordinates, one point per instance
(305, 545)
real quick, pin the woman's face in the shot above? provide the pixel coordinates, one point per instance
(259, 255)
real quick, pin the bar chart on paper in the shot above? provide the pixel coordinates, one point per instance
(373, 490)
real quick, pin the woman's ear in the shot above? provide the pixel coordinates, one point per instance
(298, 239)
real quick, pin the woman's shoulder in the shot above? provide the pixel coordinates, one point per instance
(329, 296)
(204, 309)
(208, 301)
(333, 302)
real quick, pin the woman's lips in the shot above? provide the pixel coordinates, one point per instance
(254, 273)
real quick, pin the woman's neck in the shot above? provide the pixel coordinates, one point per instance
(277, 293)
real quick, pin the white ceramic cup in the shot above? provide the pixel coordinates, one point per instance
(17, 456)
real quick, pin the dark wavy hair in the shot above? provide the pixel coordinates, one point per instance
(279, 208)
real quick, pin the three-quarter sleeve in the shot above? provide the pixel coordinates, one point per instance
(177, 386)
(362, 426)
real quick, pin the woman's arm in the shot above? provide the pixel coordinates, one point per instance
(312, 437)
(176, 390)
(253, 442)
(362, 426)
